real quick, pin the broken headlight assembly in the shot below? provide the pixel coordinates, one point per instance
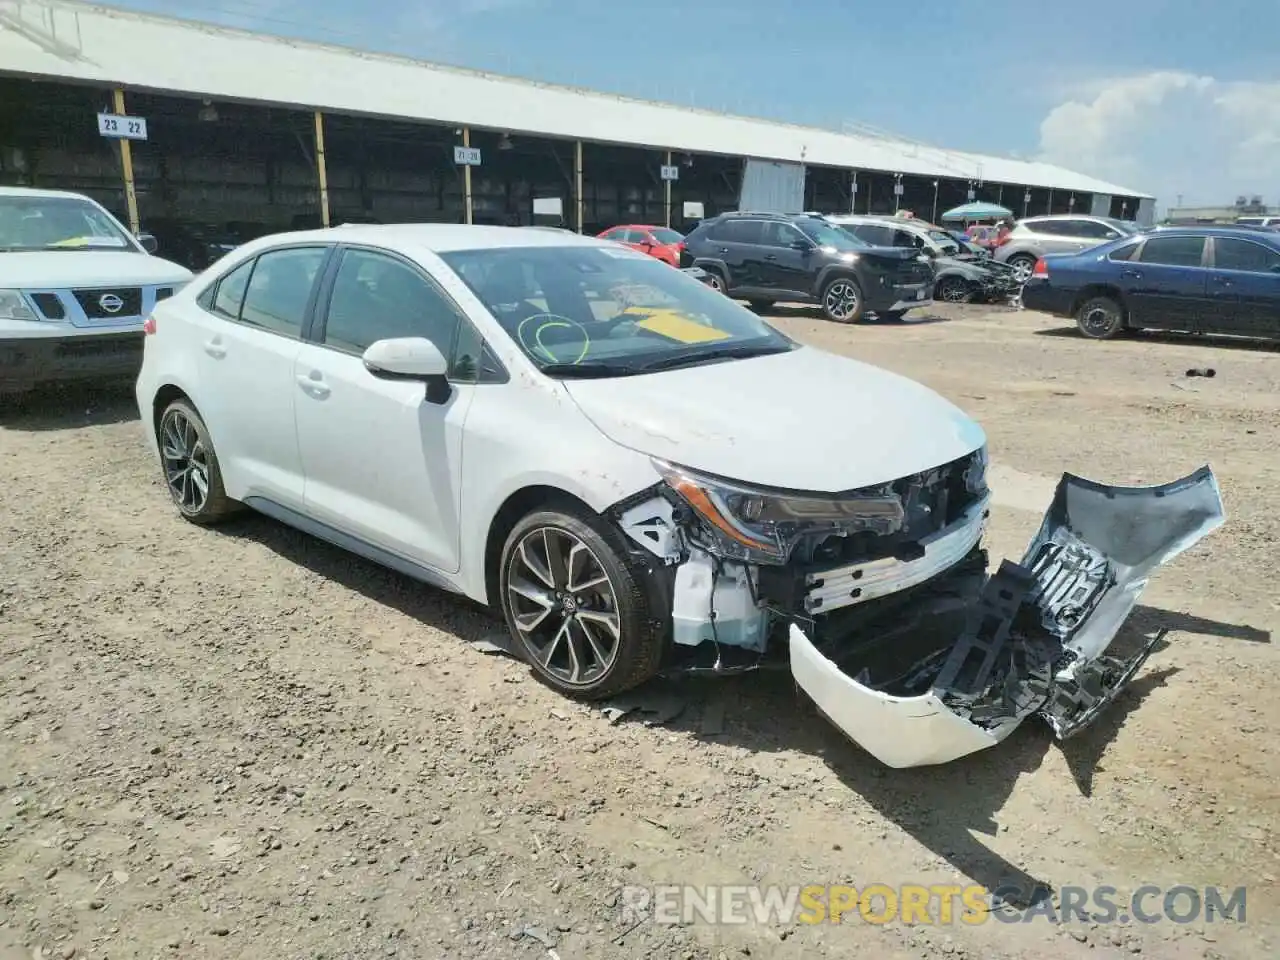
(763, 526)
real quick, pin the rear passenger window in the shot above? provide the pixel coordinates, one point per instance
(1232, 254)
(740, 231)
(1173, 251)
(229, 294)
(1124, 253)
(280, 289)
(877, 236)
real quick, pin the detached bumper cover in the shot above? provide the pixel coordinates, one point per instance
(1038, 639)
(27, 361)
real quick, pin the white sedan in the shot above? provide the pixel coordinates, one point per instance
(644, 476)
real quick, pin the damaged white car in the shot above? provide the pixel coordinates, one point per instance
(644, 476)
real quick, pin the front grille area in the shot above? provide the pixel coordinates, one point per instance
(86, 347)
(163, 293)
(49, 305)
(915, 273)
(91, 302)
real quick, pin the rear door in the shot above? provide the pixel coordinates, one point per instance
(783, 269)
(1166, 284)
(737, 243)
(1244, 288)
(247, 351)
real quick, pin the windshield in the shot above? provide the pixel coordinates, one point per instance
(58, 223)
(945, 242)
(826, 235)
(608, 311)
(663, 235)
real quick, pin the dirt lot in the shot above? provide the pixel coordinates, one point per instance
(247, 744)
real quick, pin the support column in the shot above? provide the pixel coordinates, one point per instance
(1049, 208)
(126, 165)
(322, 170)
(666, 190)
(466, 176)
(577, 181)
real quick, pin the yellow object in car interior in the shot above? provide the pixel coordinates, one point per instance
(675, 326)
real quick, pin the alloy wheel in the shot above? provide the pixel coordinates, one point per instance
(186, 462)
(564, 606)
(841, 301)
(1097, 321)
(953, 291)
(1022, 269)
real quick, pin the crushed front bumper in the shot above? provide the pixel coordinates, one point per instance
(1036, 639)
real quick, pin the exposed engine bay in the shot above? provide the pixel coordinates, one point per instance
(894, 626)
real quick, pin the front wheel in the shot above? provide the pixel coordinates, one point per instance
(952, 290)
(1100, 318)
(842, 301)
(578, 612)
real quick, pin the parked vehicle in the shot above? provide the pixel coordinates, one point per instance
(959, 277)
(661, 243)
(804, 258)
(548, 423)
(1272, 221)
(1197, 279)
(1033, 237)
(75, 286)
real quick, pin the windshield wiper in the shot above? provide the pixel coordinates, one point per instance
(586, 371)
(740, 352)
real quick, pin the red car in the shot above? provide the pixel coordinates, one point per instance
(660, 242)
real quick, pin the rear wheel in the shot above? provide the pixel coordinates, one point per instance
(953, 290)
(1101, 318)
(582, 617)
(191, 471)
(1022, 265)
(842, 301)
(716, 280)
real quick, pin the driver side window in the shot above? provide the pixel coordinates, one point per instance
(379, 297)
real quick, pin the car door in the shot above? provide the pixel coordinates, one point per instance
(1166, 283)
(249, 340)
(640, 240)
(783, 268)
(1244, 288)
(737, 243)
(381, 462)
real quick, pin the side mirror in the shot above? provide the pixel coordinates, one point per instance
(149, 242)
(410, 358)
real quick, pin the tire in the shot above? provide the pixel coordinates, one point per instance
(846, 308)
(1022, 265)
(186, 455)
(1100, 318)
(568, 637)
(716, 280)
(760, 306)
(953, 290)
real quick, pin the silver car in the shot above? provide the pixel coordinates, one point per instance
(1033, 237)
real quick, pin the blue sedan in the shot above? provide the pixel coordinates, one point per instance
(1194, 279)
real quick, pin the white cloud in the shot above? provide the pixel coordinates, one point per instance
(1171, 133)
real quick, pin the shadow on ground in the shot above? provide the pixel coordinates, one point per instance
(68, 407)
(786, 311)
(944, 808)
(1176, 339)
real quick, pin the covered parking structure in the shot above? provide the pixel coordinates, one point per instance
(246, 134)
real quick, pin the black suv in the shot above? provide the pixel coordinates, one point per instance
(804, 258)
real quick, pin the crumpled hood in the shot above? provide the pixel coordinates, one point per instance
(61, 269)
(970, 269)
(803, 420)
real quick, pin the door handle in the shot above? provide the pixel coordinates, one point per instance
(313, 385)
(215, 349)
(1223, 281)
(724, 249)
(771, 256)
(1131, 275)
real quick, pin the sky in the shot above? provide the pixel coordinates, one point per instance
(1178, 98)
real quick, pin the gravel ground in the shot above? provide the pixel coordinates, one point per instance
(243, 743)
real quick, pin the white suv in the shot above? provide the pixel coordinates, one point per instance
(75, 287)
(640, 474)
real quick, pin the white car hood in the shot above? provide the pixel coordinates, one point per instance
(803, 420)
(61, 269)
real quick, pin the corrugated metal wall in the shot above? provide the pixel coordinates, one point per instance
(770, 186)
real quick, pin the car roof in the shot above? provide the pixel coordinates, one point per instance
(37, 192)
(436, 237)
(1233, 230)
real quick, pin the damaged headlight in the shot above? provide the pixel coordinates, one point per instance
(763, 526)
(975, 475)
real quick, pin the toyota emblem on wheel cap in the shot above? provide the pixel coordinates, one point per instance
(110, 303)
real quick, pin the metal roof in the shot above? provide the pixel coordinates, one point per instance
(78, 41)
